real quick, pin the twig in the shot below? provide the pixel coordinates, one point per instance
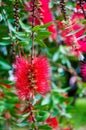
(16, 21)
(33, 24)
(31, 114)
(16, 15)
(63, 10)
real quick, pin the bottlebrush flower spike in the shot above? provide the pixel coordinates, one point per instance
(52, 122)
(83, 70)
(32, 77)
(78, 44)
(43, 15)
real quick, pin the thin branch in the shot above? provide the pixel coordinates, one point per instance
(16, 22)
(31, 113)
(33, 24)
(63, 10)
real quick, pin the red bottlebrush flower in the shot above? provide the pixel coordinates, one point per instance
(52, 122)
(78, 44)
(47, 17)
(43, 15)
(83, 70)
(31, 77)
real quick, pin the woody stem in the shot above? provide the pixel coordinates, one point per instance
(32, 115)
(33, 24)
(63, 10)
(16, 21)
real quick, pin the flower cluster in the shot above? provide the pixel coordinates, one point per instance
(32, 77)
(74, 34)
(43, 14)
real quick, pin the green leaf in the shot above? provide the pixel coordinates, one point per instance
(43, 34)
(60, 90)
(25, 26)
(55, 112)
(11, 26)
(47, 25)
(40, 42)
(24, 44)
(5, 43)
(6, 38)
(2, 108)
(84, 22)
(43, 115)
(22, 124)
(36, 28)
(4, 65)
(44, 127)
(24, 39)
(39, 27)
(2, 118)
(7, 82)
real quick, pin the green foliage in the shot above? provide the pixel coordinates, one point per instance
(63, 64)
(8, 101)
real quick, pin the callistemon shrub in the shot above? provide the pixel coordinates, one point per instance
(32, 78)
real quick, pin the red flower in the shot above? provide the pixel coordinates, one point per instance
(78, 44)
(52, 122)
(31, 77)
(83, 70)
(43, 15)
(79, 8)
(48, 17)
